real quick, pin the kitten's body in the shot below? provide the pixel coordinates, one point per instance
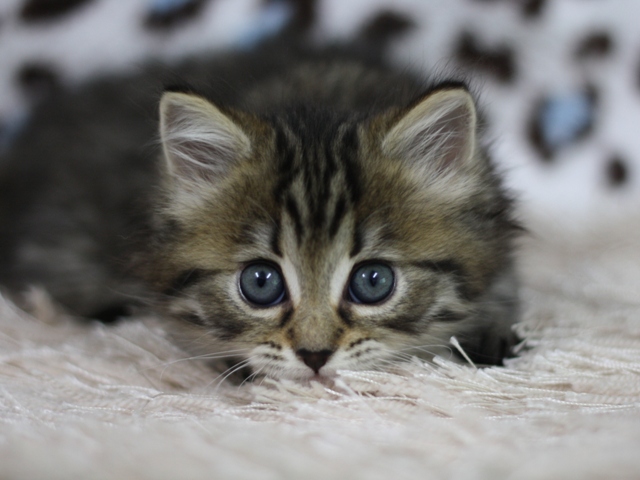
(309, 163)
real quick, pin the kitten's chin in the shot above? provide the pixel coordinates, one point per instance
(302, 375)
(325, 378)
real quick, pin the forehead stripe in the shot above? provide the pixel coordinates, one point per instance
(287, 170)
(349, 153)
(338, 215)
(316, 162)
(294, 213)
(274, 242)
(357, 241)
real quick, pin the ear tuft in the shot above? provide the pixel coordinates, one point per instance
(438, 132)
(200, 142)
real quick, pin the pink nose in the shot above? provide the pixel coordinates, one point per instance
(314, 360)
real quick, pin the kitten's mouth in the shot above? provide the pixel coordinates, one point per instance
(325, 377)
(325, 380)
(328, 374)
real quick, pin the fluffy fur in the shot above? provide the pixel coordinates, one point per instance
(317, 164)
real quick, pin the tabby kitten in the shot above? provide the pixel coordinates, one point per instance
(310, 212)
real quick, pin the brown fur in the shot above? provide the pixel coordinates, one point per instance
(316, 164)
(329, 185)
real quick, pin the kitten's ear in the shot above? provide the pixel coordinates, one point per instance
(437, 133)
(199, 141)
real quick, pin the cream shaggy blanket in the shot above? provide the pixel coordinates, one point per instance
(93, 401)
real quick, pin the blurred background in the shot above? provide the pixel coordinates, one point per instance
(559, 81)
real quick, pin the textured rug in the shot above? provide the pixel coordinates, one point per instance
(560, 85)
(91, 401)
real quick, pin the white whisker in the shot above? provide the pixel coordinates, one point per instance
(228, 372)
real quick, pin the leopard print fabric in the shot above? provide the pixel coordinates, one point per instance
(560, 81)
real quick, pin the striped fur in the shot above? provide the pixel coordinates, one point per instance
(323, 188)
(314, 161)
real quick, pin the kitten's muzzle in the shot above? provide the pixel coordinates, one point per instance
(314, 360)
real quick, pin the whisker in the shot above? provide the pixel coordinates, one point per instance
(456, 344)
(228, 372)
(384, 363)
(428, 349)
(422, 347)
(405, 357)
(205, 356)
(209, 356)
(253, 375)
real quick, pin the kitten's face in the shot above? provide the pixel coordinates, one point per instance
(317, 249)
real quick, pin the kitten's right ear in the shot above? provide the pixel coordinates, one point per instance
(200, 142)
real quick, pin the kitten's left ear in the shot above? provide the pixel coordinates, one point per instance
(437, 133)
(200, 142)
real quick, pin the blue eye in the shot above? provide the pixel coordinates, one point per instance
(262, 284)
(371, 283)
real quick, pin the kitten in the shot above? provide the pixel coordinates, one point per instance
(309, 211)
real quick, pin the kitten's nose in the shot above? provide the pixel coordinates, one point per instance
(314, 360)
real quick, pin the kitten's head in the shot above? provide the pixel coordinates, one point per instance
(308, 242)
